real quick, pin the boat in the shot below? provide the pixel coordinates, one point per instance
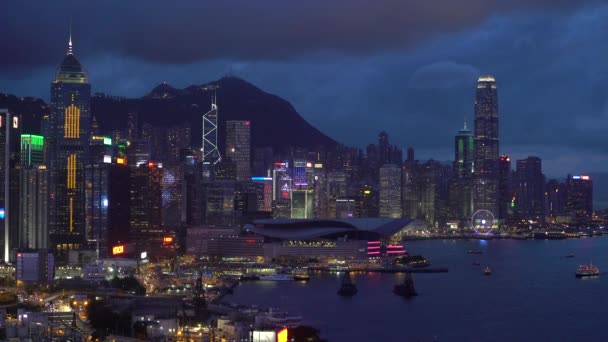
(587, 271)
(474, 251)
(569, 256)
(301, 277)
(406, 289)
(487, 271)
(277, 277)
(476, 263)
(347, 288)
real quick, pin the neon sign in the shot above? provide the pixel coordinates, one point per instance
(120, 249)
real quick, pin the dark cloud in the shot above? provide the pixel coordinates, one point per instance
(166, 32)
(352, 68)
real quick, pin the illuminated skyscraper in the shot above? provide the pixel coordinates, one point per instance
(210, 151)
(33, 199)
(9, 166)
(485, 186)
(460, 185)
(68, 153)
(238, 147)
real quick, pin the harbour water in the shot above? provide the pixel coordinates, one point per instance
(532, 295)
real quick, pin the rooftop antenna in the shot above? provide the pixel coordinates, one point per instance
(465, 122)
(70, 52)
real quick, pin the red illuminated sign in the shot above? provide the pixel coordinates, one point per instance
(247, 123)
(167, 240)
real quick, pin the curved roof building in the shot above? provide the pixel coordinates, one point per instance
(354, 228)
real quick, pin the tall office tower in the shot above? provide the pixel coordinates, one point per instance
(410, 190)
(146, 203)
(210, 152)
(529, 188)
(460, 187)
(579, 202)
(193, 210)
(390, 191)
(556, 200)
(505, 191)
(282, 184)
(299, 173)
(337, 187)
(463, 153)
(33, 199)
(238, 147)
(383, 148)
(132, 126)
(262, 162)
(367, 202)
(32, 150)
(410, 155)
(107, 194)
(68, 153)
(429, 190)
(485, 182)
(302, 204)
(139, 152)
(9, 161)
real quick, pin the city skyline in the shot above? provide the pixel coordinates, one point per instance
(347, 92)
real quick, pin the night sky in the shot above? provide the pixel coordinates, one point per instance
(351, 68)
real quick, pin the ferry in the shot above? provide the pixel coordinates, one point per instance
(587, 271)
(487, 271)
(277, 277)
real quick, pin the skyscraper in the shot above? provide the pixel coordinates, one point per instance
(210, 151)
(463, 153)
(579, 202)
(9, 167)
(505, 191)
(33, 199)
(68, 147)
(238, 147)
(529, 189)
(390, 191)
(485, 182)
(460, 185)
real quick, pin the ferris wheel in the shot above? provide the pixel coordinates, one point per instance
(482, 222)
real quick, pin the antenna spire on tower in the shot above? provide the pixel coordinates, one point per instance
(70, 52)
(465, 122)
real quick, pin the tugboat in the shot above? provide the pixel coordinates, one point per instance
(347, 288)
(487, 271)
(406, 289)
(587, 271)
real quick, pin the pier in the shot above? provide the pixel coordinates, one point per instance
(386, 269)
